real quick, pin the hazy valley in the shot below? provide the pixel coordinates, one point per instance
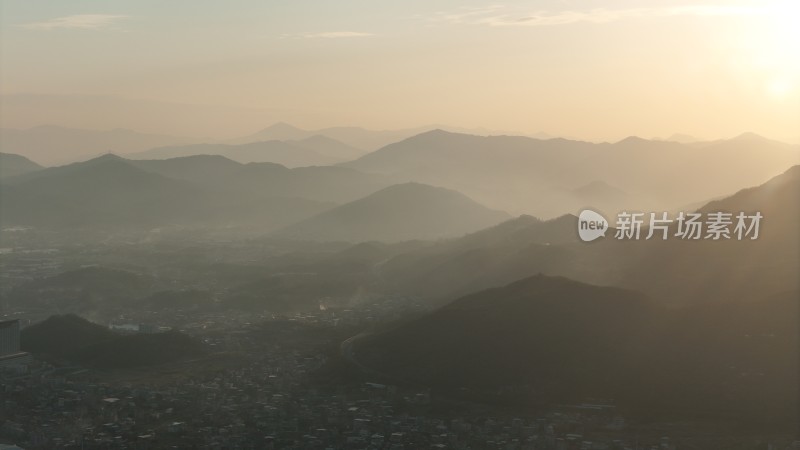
(551, 225)
(435, 288)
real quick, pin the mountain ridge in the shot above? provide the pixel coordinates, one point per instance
(530, 176)
(399, 212)
(110, 191)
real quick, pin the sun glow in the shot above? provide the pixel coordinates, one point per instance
(775, 48)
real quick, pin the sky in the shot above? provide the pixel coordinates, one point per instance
(583, 69)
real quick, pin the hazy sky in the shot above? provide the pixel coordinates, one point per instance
(585, 69)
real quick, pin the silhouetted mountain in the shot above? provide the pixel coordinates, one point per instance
(553, 340)
(368, 140)
(674, 271)
(501, 171)
(328, 184)
(358, 138)
(775, 197)
(100, 191)
(371, 140)
(50, 145)
(689, 270)
(495, 256)
(397, 213)
(196, 168)
(11, 165)
(76, 339)
(520, 231)
(525, 175)
(555, 335)
(63, 336)
(278, 152)
(111, 192)
(749, 136)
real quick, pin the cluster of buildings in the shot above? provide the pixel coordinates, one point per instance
(275, 399)
(18, 266)
(267, 406)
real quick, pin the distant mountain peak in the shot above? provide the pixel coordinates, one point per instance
(436, 132)
(412, 186)
(104, 159)
(108, 157)
(440, 132)
(632, 140)
(401, 212)
(436, 135)
(749, 136)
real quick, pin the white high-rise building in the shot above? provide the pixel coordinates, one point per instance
(9, 337)
(11, 358)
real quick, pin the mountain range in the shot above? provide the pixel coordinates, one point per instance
(355, 137)
(545, 178)
(327, 184)
(548, 178)
(521, 311)
(54, 145)
(316, 150)
(108, 191)
(672, 271)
